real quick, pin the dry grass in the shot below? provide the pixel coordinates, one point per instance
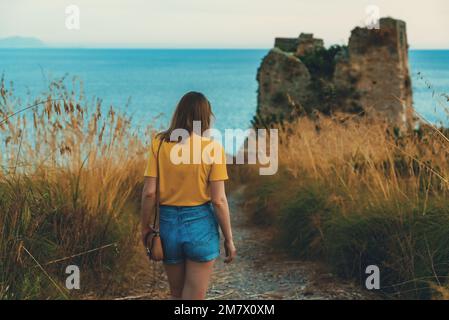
(367, 158)
(354, 191)
(68, 175)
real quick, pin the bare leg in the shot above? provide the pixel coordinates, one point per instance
(175, 274)
(197, 277)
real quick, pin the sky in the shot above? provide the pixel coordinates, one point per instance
(213, 23)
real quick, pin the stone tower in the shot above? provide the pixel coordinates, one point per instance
(378, 60)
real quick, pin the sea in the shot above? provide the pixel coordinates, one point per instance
(147, 83)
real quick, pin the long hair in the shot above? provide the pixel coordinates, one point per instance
(193, 106)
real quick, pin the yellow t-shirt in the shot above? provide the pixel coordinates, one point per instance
(186, 169)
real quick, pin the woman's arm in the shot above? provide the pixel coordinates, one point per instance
(220, 202)
(147, 205)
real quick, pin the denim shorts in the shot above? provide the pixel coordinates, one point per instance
(189, 233)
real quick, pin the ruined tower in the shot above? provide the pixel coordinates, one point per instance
(371, 74)
(378, 59)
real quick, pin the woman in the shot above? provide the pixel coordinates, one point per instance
(189, 193)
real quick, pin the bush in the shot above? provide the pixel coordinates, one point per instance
(410, 248)
(321, 62)
(301, 222)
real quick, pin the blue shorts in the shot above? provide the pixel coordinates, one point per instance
(189, 233)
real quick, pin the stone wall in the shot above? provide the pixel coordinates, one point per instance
(371, 74)
(286, 44)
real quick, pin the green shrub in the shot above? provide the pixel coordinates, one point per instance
(266, 195)
(301, 222)
(321, 62)
(409, 247)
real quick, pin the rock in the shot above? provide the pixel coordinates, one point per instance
(283, 84)
(308, 292)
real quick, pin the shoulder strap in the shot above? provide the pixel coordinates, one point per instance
(156, 206)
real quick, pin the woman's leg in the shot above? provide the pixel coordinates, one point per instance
(197, 275)
(176, 277)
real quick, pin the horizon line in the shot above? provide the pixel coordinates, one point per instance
(174, 48)
(141, 46)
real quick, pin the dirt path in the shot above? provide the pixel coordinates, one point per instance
(259, 272)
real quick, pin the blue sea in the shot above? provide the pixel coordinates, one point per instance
(148, 82)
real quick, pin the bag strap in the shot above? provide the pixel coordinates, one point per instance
(156, 206)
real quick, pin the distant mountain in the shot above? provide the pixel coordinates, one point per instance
(21, 42)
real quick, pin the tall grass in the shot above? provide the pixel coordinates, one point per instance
(353, 192)
(68, 173)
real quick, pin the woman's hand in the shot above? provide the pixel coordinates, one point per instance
(144, 232)
(230, 251)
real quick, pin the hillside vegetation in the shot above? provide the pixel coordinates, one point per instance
(355, 192)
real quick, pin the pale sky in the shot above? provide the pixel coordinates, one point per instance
(213, 23)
